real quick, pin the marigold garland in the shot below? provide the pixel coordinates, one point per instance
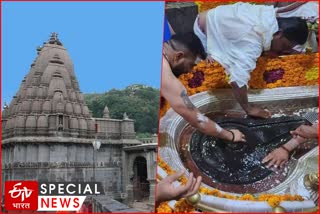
(207, 5)
(183, 206)
(164, 208)
(298, 70)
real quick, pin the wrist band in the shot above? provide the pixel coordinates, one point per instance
(232, 135)
(285, 149)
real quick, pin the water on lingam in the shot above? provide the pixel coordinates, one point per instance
(236, 168)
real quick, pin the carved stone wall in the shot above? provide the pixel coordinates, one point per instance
(64, 162)
(129, 155)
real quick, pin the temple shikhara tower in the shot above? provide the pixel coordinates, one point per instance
(49, 134)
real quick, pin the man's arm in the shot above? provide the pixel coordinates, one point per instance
(175, 93)
(305, 131)
(280, 156)
(241, 95)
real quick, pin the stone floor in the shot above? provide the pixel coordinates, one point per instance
(142, 206)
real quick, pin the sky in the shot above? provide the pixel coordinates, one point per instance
(111, 44)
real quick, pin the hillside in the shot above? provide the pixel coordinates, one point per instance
(139, 101)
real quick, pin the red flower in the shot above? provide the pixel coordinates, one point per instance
(196, 80)
(273, 75)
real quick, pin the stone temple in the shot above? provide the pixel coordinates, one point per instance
(49, 134)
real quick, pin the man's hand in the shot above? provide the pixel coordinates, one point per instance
(209, 59)
(258, 112)
(238, 136)
(306, 131)
(167, 191)
(277, 157)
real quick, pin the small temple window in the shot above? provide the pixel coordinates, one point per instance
(96, 127)
(60, 123)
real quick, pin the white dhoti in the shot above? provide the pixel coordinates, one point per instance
(236, 36)
(306, 10)
(199, 33)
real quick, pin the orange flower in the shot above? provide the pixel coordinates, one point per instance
(207, 5)
(299, 70)
(247, 197)
(183, 206)
(164, 208)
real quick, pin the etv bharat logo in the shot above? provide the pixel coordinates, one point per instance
(53, 196)
(21, 195)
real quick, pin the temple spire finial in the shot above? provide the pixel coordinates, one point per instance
(54, 39)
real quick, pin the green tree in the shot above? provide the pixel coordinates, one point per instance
(140, 102)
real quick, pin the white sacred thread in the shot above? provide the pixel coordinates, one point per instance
(202, 119)
(218, 128)
(292, 144)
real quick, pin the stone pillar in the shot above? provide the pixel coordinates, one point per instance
(124, 171)
(151, 165)
(181, 16)
(130, 197)
(127, 129)
(152, 188)
(127, 186)
(154, 138)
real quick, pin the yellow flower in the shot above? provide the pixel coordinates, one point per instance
(299, 70)
(312, 74)
(182, 206)
(164, 208)
(247, 197)
(207, 5)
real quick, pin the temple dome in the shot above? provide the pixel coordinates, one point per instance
(69, 108)
(20, 122)
(42, 122)
(49, 95)
(10, 123)
(74, 124)
(46, 107)
(36, 106)
(31, 121)
(41, 92)
(83, 124)
(85, 110)
(73, 96)
(25, 106)
(77, 109)
(13, 110)
(31, 93)
(80, 96)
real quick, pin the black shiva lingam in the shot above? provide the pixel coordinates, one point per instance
(237, 164)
